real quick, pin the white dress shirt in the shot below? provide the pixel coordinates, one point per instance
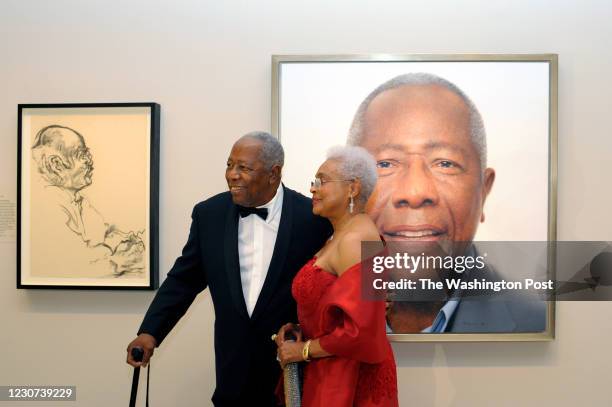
(256, 240)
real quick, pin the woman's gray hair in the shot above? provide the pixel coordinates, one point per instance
(477, 128)
(356, 163)
(271, 149)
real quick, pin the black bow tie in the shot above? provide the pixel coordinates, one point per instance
(244, 212)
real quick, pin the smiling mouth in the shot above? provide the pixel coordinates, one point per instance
(236, 188)
(415, 233)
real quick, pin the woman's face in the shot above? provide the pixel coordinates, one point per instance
(332, 197)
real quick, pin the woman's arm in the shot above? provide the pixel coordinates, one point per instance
(315, 350)
(290, 351)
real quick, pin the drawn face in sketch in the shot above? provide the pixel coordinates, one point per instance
(431, 187)
(79, 174)
(63, 158)
(77, 169)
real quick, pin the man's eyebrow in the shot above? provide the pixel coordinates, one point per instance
(389, 146)
(430, 145)
(435, 145)
(241, 162)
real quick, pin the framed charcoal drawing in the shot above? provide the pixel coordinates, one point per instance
(465, 148)
(88, 191)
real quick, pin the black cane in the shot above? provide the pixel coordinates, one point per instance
(137, 355)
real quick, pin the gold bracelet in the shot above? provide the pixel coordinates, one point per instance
(306, 351)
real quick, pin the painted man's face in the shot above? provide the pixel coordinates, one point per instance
(431, 187)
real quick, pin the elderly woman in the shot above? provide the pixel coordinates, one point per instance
(341, 335)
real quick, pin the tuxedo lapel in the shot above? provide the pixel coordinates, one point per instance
(281, 248)
(232, 265)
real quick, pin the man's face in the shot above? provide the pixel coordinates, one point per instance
(249, 182)
(430, 187)
(77, 171)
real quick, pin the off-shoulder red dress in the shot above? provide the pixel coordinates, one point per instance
(362, 371)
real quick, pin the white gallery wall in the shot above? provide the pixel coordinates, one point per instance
(208, 63)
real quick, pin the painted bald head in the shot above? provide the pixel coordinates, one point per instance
(429, 143)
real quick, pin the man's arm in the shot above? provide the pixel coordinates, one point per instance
(184, 282)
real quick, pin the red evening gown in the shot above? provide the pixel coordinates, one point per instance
(362, 371)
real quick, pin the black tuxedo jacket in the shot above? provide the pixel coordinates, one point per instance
(245, 356)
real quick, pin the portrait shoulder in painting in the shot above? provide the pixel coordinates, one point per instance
(69, 236)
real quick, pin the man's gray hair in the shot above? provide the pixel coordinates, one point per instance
(477, 129)
(356, 163)
(272, 152)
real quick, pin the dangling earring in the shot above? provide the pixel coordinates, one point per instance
(351, 205)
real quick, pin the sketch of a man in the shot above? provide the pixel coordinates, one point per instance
(66, 167)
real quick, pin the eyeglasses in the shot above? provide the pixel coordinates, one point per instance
(318, 182)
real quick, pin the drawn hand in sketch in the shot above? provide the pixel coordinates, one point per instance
(65, 165)
(128, 253)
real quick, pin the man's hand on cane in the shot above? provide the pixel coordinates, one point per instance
(147, 343)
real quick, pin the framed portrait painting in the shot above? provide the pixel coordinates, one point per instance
(88, 191)
(465, 148)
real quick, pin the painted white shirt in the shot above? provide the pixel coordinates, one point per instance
(256, 240)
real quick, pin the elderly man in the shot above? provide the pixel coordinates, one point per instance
(64, 215)
(246, 245)
(429, 142)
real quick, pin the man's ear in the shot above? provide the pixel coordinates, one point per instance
(275, 173)
(55, 164)
(487, 184)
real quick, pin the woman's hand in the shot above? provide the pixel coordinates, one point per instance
(290, 351)
(287, 332)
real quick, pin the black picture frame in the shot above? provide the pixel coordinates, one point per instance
(110, 258)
